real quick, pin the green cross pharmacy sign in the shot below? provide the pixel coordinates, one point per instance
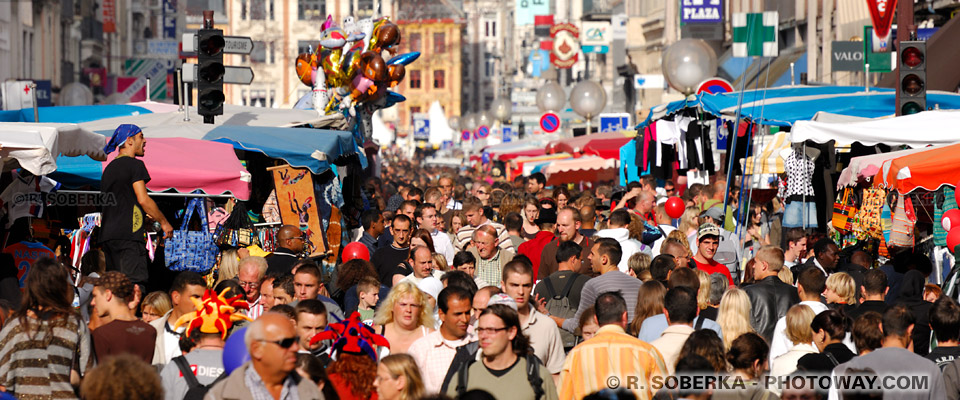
(755, 34)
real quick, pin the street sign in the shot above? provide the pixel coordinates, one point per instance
(715, 85)
(595, 49)
(465, 135)
(847, 56)
(614, 122)
(421, 126)
(231, 45)
(649, 81)
(550, 122)
(231, 74)
(483, 131)
(507, 133)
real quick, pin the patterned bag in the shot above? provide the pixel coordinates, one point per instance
(944, 202)
(867, 222)
(845, 210)
(904, 219)
(236, 230)
(191, 250)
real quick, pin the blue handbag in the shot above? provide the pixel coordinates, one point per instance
(191, 250)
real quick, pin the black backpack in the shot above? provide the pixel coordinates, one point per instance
(533, 370)
(196, 391)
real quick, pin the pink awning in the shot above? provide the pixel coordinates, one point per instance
(868, 166)
(522, 153)
(605, 148)
(583, 169)
(188, 164)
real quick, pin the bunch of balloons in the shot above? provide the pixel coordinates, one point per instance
(347, 72)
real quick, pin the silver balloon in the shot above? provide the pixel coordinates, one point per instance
(588, 99)
(75, 94)
(469, 122)
(502, 109)
(551, 97)
(688, 62)
(454, 123)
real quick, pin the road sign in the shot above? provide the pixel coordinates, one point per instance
(483, 131)
(550, 122)
(715, 85)
(421, 126)
(232, 44)
(614, 122)
(507, 133)
(231, 74)
(465, 135)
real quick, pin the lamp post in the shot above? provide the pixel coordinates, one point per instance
(551, 97)
(588, 99)
(687, 63)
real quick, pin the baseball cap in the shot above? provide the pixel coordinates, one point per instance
(715, 212)
(117, 283)
(501, 298)
(708, 230)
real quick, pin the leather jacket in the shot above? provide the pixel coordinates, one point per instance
(770, 299)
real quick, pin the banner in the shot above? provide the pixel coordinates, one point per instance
(109, 19)
(170, 19)
(566, 45)
(881, 13)
(297, 204)
(528, 9)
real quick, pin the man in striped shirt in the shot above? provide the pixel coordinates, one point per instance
(612, 358)
(473, 210)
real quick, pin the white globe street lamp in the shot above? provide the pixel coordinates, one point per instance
(587, 100)
(687, 63)
(551, 97)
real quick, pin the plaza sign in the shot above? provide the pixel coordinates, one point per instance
(701, 11)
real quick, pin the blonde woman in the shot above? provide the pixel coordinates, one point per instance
(800, 333)
(398, 378)
(734, 315)
(703, 294)
(688, 222)
(404, 317)
(841, 292)
(229, 266)
(154, 306)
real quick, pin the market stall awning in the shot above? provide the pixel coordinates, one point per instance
(576, 144)
(583, 169)
(181, 164)
(771, 162)
(315, 149)
(868, 166)
(35, 147)
(917, 130)
(929, 169)
(171, 124)
(605, 148)
(524, 165)
(538, 151)
(74, 114)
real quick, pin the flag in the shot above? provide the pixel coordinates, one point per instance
(755, 34)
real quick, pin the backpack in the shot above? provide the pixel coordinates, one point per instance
(196, 391)
(533, 371)
(559, 304)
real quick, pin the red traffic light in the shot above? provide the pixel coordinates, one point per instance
(912, 57)
(911, 84)
(212, 45)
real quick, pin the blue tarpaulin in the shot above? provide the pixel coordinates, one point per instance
(315, 149)
(785, 105)
(73, 114)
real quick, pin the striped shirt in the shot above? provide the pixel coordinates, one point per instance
(36, 365)
(612, 353)
(612, 281)
(465, 235)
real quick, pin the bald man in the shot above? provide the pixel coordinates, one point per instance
(273, 345)
(290, 244)
(568, 229)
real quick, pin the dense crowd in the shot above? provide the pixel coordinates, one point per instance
(464, 285)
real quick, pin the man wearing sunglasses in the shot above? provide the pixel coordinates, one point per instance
(289, 246)
(273, 344)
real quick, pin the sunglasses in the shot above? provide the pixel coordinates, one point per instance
(284, 343)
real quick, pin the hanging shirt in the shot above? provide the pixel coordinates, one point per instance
(22, 197)
(629, 169)
(24, 255)
(799, 169)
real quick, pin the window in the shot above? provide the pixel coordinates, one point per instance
(243, 15)
(490, 29)
(438, 79)
(439, 43)
(271, 11)
(415, 79)
(414, 42)
(306, 46)
(311, 10)
(259, 53)
(273, 59)
(258, 10)
(273, 97)
(413, 110)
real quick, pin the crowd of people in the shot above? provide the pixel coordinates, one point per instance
(479, 288)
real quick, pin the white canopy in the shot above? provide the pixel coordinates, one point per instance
(36, 146)
(439, 127)
(917, 130)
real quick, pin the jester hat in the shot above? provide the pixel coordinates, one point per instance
(215, 313)
(353, 337)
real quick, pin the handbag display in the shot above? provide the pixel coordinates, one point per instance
(845, 210)
(191, 250)
(868, 223)
(237, 230)
(903, 220)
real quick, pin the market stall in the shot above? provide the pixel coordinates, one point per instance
(583, 169)
(35, 147)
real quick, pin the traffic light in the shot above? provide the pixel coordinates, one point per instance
(912, 89)
(210, 70)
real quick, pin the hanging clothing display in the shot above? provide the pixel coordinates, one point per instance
(699, 149)
(22, 198)
(745, 132)
(801, 210)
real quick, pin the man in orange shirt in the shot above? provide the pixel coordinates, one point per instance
(630, 363)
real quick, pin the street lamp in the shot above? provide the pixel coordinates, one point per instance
(454, 123)
(551, 97)
(502, 109)
(687, 63)
(587, 100)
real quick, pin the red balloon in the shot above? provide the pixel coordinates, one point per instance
(355, 250)
(675, 207)
(951, 219)
(953, 238)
